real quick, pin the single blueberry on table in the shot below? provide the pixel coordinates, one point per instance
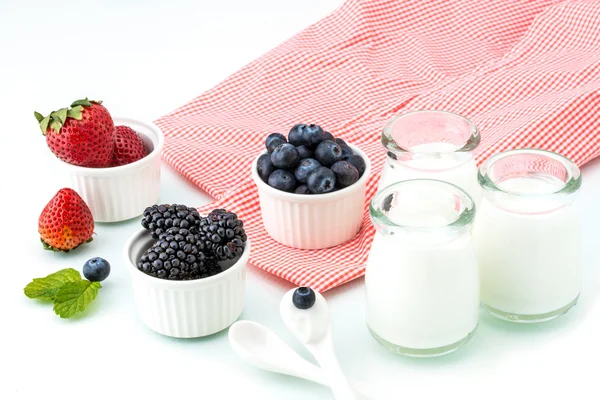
(285, 156)
(296, 135)
(313, 135)
(321, 180)
(358, 163)
(304, 152)
(282, 180)
(302, 189)
(328, 152)
(274, 140)
(265, 167)
(96, 269)
(328, 136)
(305, 168)
(304, 298)
(345, 173)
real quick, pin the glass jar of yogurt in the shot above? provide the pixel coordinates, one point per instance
(431, 144)
(422, 282)
(527, 237)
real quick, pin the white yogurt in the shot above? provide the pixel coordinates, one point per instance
(435, 161)
(528, 251)
(422, 296)
(422, 282)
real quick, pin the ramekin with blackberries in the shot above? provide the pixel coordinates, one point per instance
(188, 271)
(311, 187)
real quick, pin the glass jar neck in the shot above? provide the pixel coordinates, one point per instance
(529, 181)
(429, 133)
(423, 210)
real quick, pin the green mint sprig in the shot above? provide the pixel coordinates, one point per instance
(65, 288)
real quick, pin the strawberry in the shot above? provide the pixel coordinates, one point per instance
(66, 222)
(128, 146)
(80, 135)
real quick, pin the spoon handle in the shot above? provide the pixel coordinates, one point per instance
(323, 353)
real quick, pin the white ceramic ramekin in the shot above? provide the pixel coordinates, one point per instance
(313, 221)
(121, 193)
(186, 309)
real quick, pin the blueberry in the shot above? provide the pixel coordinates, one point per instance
(313, 135)
(265, 167)
(340, 141)
(305, 168)
(296, 135)
(304, 152)
(328, 136)
(345, 173)
(346, 150)
(274, 140)
(321, 180)
(285, 156)
(282, 180)
(273, 143)
(328, 152)
(304, 298)
(302, 189)
(96, 269)
(358, 163)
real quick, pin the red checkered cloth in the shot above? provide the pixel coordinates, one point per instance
(527, 73)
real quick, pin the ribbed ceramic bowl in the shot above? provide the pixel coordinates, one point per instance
(186, 309)
(313, 221)
(121, 193)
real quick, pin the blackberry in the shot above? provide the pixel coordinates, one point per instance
(160, 217)
(222, 235)
(177, 255)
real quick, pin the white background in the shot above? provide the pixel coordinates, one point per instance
(144, 59)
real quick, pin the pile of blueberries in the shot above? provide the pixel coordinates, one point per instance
(309, 161)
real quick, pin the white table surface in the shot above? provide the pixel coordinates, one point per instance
(144, 59)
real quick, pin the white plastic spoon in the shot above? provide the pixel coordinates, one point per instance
(262, 348)
(311, 326)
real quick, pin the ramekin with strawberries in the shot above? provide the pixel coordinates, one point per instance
(113, 163)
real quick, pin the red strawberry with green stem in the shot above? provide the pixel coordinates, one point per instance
(81, 134)
(66, 222)
(128, 147)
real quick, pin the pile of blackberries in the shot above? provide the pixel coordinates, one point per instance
(309, 161)
(190, 246)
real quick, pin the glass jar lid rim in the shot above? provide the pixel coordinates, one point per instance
(463, 218)
(572, 184)
(470, 144)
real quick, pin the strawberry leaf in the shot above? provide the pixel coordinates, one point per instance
(44, 124)
(85, 102)
(38, 116)
(55, 125)
(74, 297)
(60, 115)
(75, 112)
(47, 288)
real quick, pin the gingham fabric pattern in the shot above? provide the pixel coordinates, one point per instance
(526, 72)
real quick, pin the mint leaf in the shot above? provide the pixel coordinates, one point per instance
(46, 288)
(74, 297)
